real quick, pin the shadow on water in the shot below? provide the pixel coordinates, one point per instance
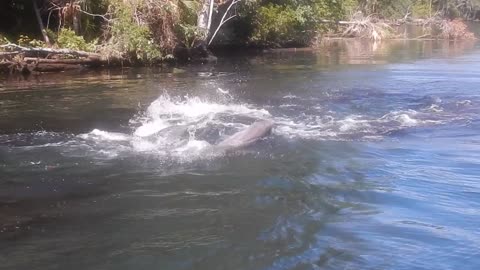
(371, 147)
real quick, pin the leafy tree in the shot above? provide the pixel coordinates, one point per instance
(292, 22)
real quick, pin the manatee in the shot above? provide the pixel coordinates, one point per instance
(247, 136)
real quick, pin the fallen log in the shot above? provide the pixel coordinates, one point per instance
(80, 61)
(10, 66)
(28, 65)
(338, 22)
(45, 59)
(4, 54)
(6, 65)
(56, 67)
(18, 48)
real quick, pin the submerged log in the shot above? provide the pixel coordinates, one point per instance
(80, 61)
(56, 67)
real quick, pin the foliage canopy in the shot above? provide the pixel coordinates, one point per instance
(149, 30)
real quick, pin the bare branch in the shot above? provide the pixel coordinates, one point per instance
(223, 20)
(3, 54)
(95, 15)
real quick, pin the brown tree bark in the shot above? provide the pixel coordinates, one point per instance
(40, 23)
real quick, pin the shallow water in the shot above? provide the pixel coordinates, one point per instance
(373, 163)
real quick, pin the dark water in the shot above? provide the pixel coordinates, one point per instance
(374, 163)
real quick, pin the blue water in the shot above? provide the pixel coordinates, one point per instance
(373, 163)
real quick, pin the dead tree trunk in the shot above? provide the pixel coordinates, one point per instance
(76, 23)
(224, 19)
(40, 23)
(203, 19)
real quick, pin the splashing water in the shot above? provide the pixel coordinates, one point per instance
(184, 128)
(175, 126)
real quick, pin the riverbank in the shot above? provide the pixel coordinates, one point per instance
(16, 59)
(57, 35)
(333, 52)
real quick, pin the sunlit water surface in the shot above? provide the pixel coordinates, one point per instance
(373, 163)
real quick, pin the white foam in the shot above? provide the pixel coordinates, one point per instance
(195, 107)
(353, 122)
(105, 135)
(193, 113)
(193, 146)
(465, 102)
(406, 120)
(141, 145)
(288, 105)
(224, 93)
(150, 128)
(166, 111)
(351, 126)
(198, 115)
(435, 108)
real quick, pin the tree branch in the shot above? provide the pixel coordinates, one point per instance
(223, 20)
(94, 15)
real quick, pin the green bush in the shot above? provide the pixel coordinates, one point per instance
(350, 7)
(421, 9)
(188, 34)
(26, 41)
(3, 40)
(186, 29)
(293, 22)
(69, 40)
(129, 39)
(276, 26)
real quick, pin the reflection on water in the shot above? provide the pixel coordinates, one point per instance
(373, 163)
(359, 52)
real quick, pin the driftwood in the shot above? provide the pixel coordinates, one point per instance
(18, 48)
(4, 54)
(5, 65)
(338, 22)
(19, 59)
(377, 29)
(46, 65)
(13, 66)
(63, 61)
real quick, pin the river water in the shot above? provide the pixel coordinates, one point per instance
(373, 163)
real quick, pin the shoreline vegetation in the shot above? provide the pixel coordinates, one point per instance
(39, 36)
